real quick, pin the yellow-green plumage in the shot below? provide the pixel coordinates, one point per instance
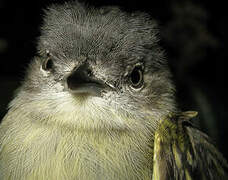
(183, 152)
(34, 151)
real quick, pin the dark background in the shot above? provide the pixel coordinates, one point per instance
(192, 32)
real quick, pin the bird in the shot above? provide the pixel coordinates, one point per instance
(98, 102)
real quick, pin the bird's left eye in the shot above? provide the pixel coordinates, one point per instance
(47, 64)
(136, 77)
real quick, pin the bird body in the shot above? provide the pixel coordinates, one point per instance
(98, 102)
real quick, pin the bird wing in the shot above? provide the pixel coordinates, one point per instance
(183, 152)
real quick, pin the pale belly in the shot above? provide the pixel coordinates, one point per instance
(79, 157)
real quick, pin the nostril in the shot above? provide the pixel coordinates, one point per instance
(89, 72)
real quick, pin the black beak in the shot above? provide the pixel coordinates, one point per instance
(81, 80)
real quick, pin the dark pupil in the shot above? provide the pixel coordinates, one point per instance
(49, 64)
(135, 76)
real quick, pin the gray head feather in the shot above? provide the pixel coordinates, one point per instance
(112, 43)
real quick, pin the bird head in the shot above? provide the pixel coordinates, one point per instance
(98, 68)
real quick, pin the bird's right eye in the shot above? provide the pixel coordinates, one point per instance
(136, 77)
(47, 64)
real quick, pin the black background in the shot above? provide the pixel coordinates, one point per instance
(194, 34)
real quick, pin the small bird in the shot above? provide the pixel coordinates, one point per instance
(98, 103)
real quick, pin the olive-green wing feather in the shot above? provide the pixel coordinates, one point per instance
(183, 152)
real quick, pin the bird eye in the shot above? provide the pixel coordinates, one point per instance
(47, 64)
(136, 77)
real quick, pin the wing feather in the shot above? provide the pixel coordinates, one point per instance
(183, 152)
